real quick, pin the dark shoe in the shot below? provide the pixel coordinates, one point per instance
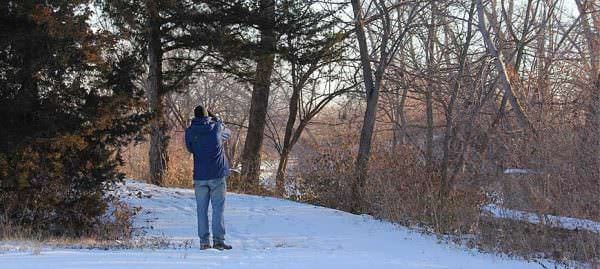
(204, 246)
(222, 246)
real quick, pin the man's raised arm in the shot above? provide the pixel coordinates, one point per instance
(188, 140)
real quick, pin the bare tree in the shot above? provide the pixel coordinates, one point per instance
(309, 98)
(449, 107)
(430, 58)
(507, 73)
(311, 57)
(590, 21)
(389, 37)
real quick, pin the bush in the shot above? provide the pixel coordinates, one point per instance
(399, 188)
(56, 186)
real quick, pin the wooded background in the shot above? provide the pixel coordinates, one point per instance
(417, 112)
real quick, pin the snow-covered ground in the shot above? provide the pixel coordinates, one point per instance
(549, 220)
(265, 233)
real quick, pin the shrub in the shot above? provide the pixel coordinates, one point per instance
(399, 188)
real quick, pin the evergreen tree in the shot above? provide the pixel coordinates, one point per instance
(66, 109)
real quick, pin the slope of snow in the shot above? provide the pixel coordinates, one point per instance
(265, 233)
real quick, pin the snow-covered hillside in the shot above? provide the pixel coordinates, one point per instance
(265, 233)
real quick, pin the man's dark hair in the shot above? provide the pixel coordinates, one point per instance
(200, 111)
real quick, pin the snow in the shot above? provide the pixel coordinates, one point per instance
(265, 233)
(549, 220)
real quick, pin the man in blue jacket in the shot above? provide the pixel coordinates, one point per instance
(204, 139)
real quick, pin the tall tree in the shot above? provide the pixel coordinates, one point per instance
(265, 57)
(139, 26)
(157, 155)
(431, 59)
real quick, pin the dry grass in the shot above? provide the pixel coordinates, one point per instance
(36, 246)
(181, 163)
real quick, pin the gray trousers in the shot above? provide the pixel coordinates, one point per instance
(213, 191)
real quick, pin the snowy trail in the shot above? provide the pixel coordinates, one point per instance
(265, 233)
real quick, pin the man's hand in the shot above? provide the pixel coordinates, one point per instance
(215, 118)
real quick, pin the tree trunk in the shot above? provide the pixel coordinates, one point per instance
(281, 171)
(429, 131)
(157, 155)
(364, 150)
(400, 125)
(594, 126)
(431, 40)
(289, 129)
(372, 94)
(260, 96)
(404, 134)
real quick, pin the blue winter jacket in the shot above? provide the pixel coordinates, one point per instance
(204, 139)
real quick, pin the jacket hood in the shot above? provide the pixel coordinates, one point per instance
(202, 124)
